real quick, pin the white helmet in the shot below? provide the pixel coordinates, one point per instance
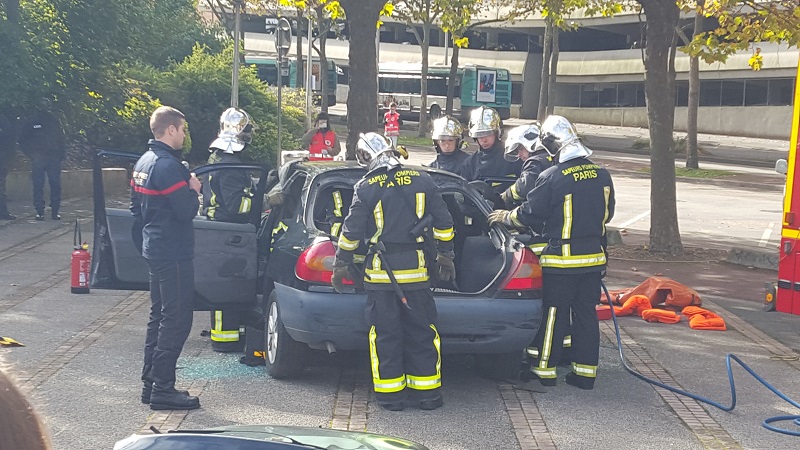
(235, 131)
(483, 121)
(560, 137)
(526, 136)
(374, 150)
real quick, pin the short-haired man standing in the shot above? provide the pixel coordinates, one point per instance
(164, 202)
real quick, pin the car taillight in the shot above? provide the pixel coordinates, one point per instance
(315, 264)
(526, 273)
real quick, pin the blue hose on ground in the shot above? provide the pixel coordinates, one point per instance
(730, 356)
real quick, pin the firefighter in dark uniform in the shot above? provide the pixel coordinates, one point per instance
(388, 205)
(447, 132)
(488, 161)
(570, 206)
(228, 197)
(164, 203)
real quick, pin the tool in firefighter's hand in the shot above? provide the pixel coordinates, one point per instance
(9, 342)
(341, 272)
(379, 250)
(401, 151)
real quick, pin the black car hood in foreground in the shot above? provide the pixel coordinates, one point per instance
(265, 437)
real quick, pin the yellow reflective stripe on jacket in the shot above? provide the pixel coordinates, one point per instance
(220, 335)
(606, 195)
(566, 230)
(514, 219)
(446, 234)
(402, 276)
(420, 204)
(566, 262)
(538, 248)
(584, 370)
(382, 385)
(337, 203)
(514, 194)
(245, 205)
(347, 244)
(378, 213)
(336, 228)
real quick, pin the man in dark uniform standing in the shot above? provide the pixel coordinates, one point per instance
(42, 140)
(164, 202)
(570, 206)
(488, 161)
(228, 197)
(388, 204)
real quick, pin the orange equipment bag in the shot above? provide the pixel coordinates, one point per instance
(659, 290)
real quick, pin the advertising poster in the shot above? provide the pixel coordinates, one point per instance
(486, 85)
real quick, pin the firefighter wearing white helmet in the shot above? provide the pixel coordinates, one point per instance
(388, 204)
(523, 144)
(446, 135)
(569, 207)
(228, 197)
(488, 161)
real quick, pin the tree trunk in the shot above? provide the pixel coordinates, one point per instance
(323, 57)
(544, 87)
(451, 79)
(692, 159)
(659, 86)
(551, 80)
(298, 73)
(423, 107)
(362, 103)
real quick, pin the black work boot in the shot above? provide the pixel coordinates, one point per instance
(147, 389)
(392, 406)
(578, 381)
(167, 397)
(432, 403)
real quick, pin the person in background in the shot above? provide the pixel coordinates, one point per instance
(523, 144)
(569, 207)
(41, 138)
(321, 141)
(164, 202)
(446, 137)
(8, 146)
(20, 425)
(228, 197)
(391, 124)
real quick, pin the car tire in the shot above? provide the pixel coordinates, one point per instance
(499, 366)
(285, 357)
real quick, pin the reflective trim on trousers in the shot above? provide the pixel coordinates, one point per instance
(424, 383)
(381, 385)
(584, 370)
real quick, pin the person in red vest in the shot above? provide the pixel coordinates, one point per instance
(321, 141)
(391, 124)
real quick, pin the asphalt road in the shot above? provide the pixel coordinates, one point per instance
(82, 357)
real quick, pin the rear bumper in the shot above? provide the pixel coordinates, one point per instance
(466, 324)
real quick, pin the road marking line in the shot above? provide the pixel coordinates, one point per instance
(765, 236)
(634, 220)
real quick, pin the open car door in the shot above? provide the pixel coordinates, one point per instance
(225, 260)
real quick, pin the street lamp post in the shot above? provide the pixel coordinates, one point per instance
(237, 13)
(309, 88)
(283, 41)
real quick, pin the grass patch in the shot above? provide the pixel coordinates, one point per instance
(697, 173)
(415, 141)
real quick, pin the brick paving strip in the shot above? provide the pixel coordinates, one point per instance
(30, 291)
(710, 433)
(65, 353)
(352, 399)
(529, 426)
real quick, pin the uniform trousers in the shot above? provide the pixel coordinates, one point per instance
(578, 292)
(404, 346)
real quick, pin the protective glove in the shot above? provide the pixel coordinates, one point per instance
(275, 198)
(340, 273)
(447, 269)
(505, 217)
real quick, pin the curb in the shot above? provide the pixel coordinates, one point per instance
(760, 259)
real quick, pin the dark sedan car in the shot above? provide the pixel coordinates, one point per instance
(492, 311)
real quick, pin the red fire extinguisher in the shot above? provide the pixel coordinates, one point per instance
(81, 263)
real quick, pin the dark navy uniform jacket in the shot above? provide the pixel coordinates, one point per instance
(531, 168)
(387, 204)
(450, 162)
(570, 206)
(489, 163)
(163, 203)
(228, 196)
